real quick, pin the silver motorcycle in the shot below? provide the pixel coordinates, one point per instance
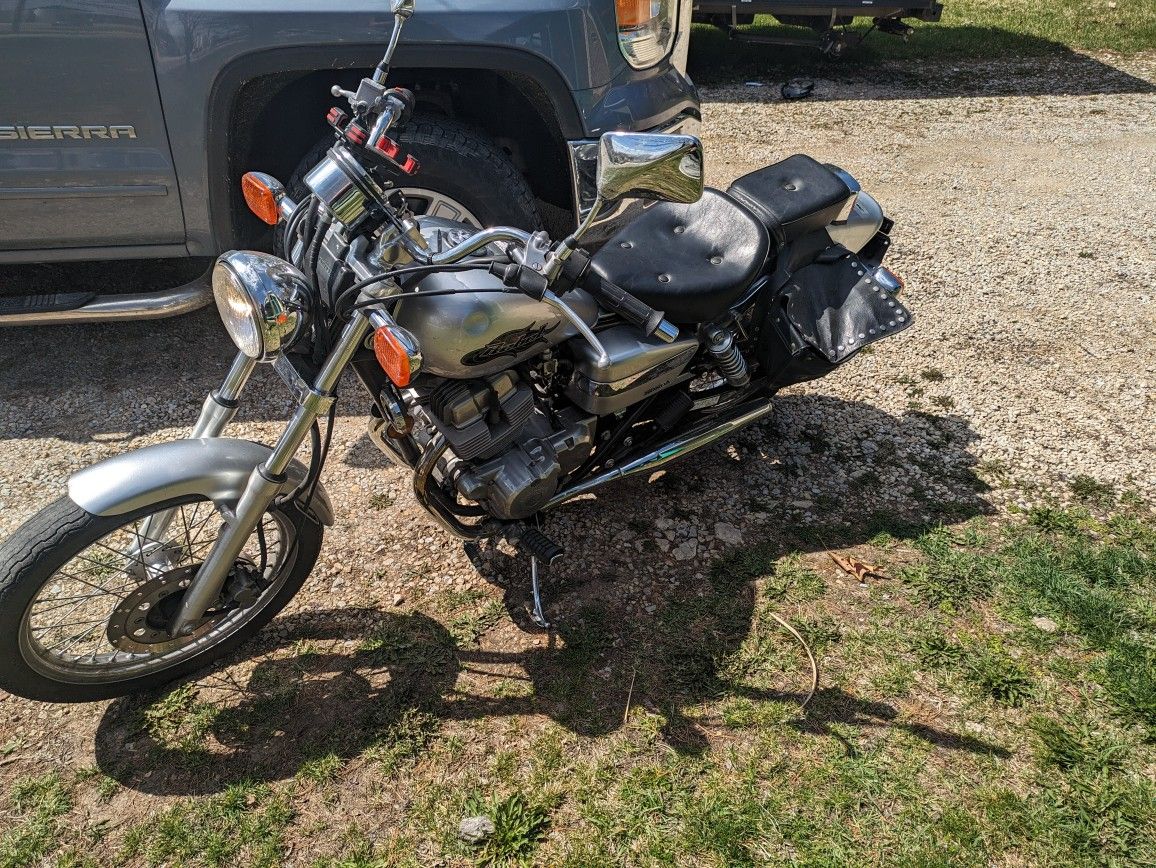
(508, 372)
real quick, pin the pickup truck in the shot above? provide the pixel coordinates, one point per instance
(125, 125)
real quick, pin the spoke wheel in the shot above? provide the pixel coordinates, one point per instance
(92, 602)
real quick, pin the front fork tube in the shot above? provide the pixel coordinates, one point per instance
(218, 411)
(265, 481)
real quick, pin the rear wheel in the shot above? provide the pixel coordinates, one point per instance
(85, 600)
(463, 176)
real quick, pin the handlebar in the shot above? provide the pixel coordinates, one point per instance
(614, 298)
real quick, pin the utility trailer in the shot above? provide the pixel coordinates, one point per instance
(830, 21)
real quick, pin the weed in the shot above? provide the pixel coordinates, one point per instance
(1128, 673)
(519, 826)
(1055, 521)
(933, 375)
(951, 574)
(790, 578)
(936, 651)
(1091, 490)
(1076, 743)
(994, 673)
(380, 501)
(945, 402)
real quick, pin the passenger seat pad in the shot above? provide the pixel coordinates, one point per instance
(690, 261)
(793, 197)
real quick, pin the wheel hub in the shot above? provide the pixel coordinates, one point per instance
(139, 624)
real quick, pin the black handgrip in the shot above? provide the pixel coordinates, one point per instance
(617, 300)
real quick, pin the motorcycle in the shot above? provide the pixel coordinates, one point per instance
(508, 373)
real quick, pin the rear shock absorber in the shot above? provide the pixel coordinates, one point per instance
(720, 343)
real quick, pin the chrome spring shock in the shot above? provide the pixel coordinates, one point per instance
(720, 343)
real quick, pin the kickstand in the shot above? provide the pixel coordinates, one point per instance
(537, 615)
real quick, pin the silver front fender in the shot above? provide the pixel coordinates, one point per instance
(217, 468)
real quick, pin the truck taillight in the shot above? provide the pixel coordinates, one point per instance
(646, 30)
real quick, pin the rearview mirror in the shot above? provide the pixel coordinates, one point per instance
(649, 166)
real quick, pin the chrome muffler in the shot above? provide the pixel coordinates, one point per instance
(704, 434)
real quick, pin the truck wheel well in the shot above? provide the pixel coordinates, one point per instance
(276, 118)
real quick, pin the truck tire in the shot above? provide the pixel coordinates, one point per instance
(461, 171)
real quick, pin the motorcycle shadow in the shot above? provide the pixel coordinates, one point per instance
(633, 631)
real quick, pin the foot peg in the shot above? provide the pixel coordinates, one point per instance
(541, 549)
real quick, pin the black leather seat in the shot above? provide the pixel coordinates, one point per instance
(793, 197)
(690, 261)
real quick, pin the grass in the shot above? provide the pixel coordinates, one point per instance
(243, 825)
(949, 727)
(970, 29)
(39, 805)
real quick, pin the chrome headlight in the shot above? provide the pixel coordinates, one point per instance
(646, 30)
(262, 301)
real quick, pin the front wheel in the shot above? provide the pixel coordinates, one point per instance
(85, 599)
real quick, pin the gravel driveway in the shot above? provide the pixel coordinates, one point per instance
(1025, 234)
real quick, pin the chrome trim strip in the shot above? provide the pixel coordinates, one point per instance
(111, 308)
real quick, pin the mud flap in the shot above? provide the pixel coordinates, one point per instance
(825, 313)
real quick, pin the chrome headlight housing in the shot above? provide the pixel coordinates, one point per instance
(263, 302)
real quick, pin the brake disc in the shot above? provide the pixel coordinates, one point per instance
(139, 624)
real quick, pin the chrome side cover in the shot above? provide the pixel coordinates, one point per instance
(216, 468)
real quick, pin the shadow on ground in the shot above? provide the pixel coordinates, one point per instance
(939, 62)
(353, 682)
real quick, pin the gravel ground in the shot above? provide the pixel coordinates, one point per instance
(1024, 230)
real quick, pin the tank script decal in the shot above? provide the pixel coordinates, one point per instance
(68, 131)
(511, 343)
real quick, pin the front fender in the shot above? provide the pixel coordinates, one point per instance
(216, 468)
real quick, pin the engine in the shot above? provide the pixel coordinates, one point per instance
(512, 454)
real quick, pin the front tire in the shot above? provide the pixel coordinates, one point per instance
(68, 570)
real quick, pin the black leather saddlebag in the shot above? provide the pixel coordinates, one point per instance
(792, 198)
(825, 313)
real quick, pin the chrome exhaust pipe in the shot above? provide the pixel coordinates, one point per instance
(703, 435)
(111, 308)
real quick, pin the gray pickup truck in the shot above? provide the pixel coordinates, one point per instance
(125, 125)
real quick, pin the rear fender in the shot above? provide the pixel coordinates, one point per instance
(216, 468)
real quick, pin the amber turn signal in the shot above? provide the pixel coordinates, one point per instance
(397, 353)
(260, 197)
(633, 13)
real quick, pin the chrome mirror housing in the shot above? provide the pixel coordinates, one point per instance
(649, 166)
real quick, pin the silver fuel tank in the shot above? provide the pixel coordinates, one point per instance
(476, 332)
(472, 334)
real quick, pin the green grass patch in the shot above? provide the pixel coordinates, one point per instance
(38, 803)
(244, 825)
